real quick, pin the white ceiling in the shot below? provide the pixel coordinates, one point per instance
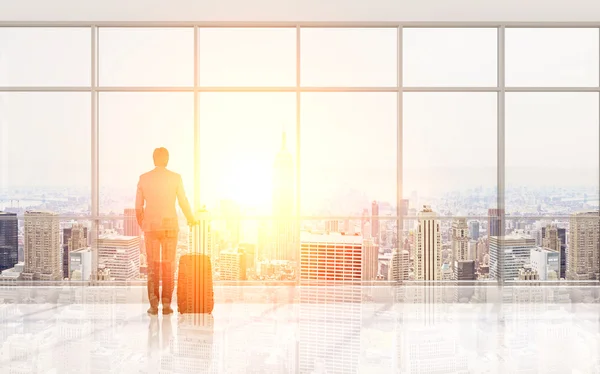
(303, 10)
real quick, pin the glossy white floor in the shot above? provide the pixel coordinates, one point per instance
(519, 333)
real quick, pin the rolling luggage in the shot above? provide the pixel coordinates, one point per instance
(194, 283)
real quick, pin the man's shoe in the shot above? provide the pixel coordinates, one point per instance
(153, 311)
(167, 310)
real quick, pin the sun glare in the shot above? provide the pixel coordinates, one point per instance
(250, 184)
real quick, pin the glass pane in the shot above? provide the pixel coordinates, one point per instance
(552, 57)
(248, 168)
(146, 57)
(45, 56)
(244, 139)
(45, 156)
(348, 156)
(552, 153)
(449, 57)
(247, 57)
(132, 126)
(449, 155)
(349, 57)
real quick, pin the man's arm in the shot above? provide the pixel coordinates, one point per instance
(184, 203)
(139, 203)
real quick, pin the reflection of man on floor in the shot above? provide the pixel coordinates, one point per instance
(158, 189)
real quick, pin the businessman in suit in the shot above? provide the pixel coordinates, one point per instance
(158, 189)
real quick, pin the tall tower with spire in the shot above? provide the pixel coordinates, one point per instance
(283, 204)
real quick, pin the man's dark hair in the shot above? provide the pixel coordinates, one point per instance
(161, 157)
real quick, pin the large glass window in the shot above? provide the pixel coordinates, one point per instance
(321, 138)
(45, 153)
(338, 57)
(348, 155)
(449, 57)
(449, 152)
(131, 127)
(247, 57)
(552, 153)
(152, 57)
(539, 57)
(45, 57)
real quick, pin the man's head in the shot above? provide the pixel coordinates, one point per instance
(161, 157)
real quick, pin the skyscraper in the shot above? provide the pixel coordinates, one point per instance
(495, 223)
(74, 238)
(330, 257)
(555, 239)
(515, 250)
(584, 246)
(131, 227)
(283, 204)
(9, 240)
(370, 260)
(460, 240)
(375, 221)
(428, 248)
(546, 263)
(474, 230)
(464, 270)
(232, 265)
(399, 266)
(120, 255)
(42, 247)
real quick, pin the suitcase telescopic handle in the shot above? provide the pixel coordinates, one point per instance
(199, 231)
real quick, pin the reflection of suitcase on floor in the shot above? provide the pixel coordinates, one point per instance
(194, 283)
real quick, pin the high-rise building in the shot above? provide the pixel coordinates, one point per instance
(464, 270)
(399, 266)
(428, 248)
(249, 251)
(74, 237)
(9, 240)
(583, 261)
(330, 257)
(460, 240)
(515, 250)
(232, 265)
(80, 266)
(546, 263)
(370, 260)
(130, 225)
(495, 223)
(42, 247)
(283, 205)
(375, 221)
(555, 239)
(120, 255)
(474, 230)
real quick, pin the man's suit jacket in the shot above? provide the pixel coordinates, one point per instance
(159, 188)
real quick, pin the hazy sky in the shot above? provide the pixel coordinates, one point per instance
(348, 140)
